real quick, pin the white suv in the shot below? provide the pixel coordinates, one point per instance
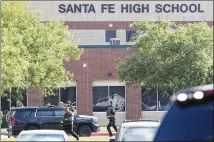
(136, 130)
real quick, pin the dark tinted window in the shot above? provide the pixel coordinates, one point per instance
(117, 97)
(100, 98)
(105, 95)
(53, 100)
(59, 112)
(24, 113)
(129, 35)
(44, 112)
(109, 35)
(194, 122)
(68, 93)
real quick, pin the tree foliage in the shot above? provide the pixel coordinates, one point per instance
(33, 52)
(169, 56)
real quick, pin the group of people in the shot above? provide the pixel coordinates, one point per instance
(70, 112)
(67, 121)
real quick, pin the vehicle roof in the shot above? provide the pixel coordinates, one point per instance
(141, 123)
(203, 88)
(36, 107)
(42, 132)
(19, 108)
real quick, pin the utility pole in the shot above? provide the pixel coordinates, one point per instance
(10, 97)
(157, 97)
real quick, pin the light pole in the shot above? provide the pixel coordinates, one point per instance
(157, 97)
(10, 97)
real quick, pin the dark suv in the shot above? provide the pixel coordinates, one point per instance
(49, 117)
(190, 116)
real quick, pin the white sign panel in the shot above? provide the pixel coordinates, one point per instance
(126, 10)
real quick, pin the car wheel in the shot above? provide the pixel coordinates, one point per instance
(32, 128)
(85, 131)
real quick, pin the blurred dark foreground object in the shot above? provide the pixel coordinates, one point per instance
(190, 116)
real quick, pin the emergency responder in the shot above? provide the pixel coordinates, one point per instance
(68, 123)
(68, 104)
(19, 104)
(1, 116)
(74, 111)
(61, 104)
(111, 117)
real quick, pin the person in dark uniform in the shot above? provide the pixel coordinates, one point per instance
(67, 123)
(68, 104)
(111, 117)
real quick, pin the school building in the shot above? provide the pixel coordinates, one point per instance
(103, 29)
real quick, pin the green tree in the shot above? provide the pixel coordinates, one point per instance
(169, 55)
(34, 52)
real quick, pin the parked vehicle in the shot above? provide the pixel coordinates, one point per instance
(42, 135)
(50, 117)
(190, 116)
(136, 130)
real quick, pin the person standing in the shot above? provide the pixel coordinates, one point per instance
(19, 104)
(60, 104)
(111, 117)
(68, 104)
(74, 111)
(67, 123)
(1, 116)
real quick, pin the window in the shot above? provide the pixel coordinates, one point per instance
(68, 93)
(117, 97)
(149, 100)
(129, 35)
(44, 112)
(63, 95)
(105, 95)
(138, 133)
(100, 98)
(59, 112)
(24, 113)
(110, 34)
(53, 100)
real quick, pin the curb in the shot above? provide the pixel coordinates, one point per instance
(102, 134)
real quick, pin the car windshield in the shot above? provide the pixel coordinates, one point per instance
(193, 122)
(41, 137)
(138, 133)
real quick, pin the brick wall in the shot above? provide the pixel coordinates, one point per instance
(35, 97)
(99, 61)
(133, 107)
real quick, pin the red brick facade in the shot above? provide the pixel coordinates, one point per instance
(35, 97)
(99, 61)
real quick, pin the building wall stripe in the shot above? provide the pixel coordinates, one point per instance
(113, 25)
(105, 46)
